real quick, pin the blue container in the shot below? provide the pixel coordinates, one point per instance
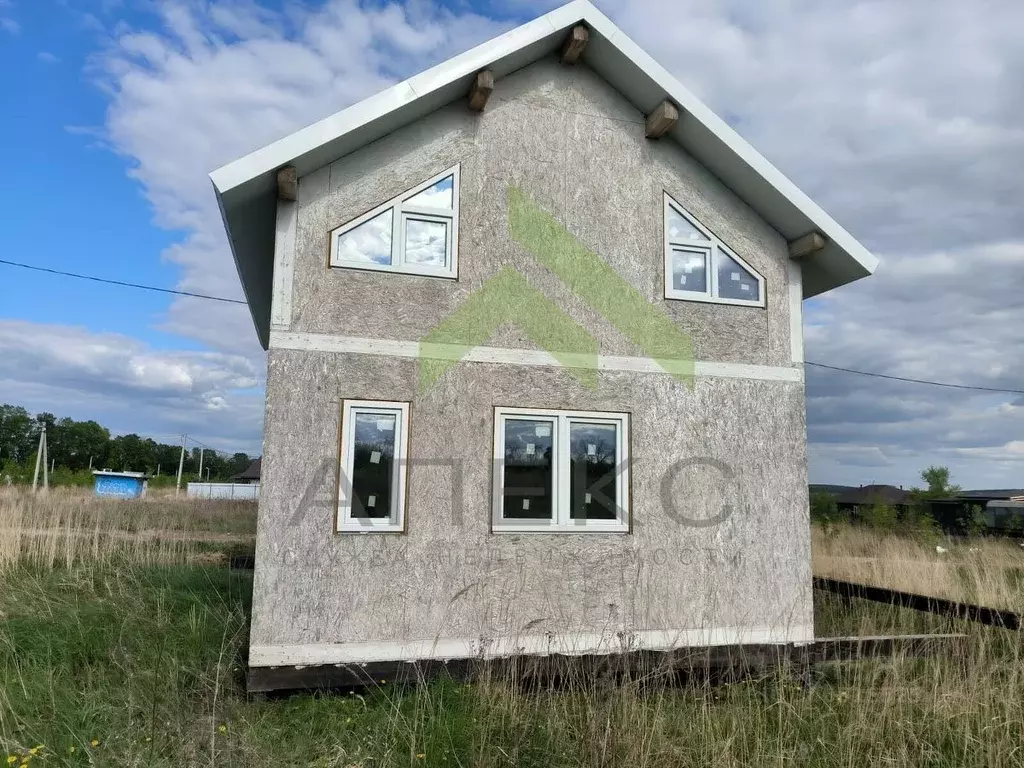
(123, 485)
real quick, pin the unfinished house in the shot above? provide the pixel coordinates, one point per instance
(535, 365)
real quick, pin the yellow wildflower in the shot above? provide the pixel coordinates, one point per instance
(12, 759)
(95, 742)
(420, 756)
(222, 728)
(71, 749)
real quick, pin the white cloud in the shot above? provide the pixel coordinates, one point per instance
(47, 58)
(9, 25)
(131, 387)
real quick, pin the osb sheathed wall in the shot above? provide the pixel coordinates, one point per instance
(719, 536)
(578, 149)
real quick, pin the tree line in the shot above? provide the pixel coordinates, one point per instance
(914, 516)
(75, 446)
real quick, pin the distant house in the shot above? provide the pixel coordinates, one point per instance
(1003, 510)
(831, 489)
(855, 500)
(251, 474)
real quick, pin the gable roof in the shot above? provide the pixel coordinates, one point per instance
(874, 494)
(252, 472)
(246, 188)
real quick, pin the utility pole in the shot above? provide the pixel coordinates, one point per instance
(90, 463)
(40, 454)
(181, 464)
(207, 474)
(158, 470)
(201, 449)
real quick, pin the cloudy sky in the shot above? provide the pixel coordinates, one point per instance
(904, 120)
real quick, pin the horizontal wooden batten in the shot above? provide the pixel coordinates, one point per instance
(318, 342)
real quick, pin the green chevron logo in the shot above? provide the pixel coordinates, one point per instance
(508, 298)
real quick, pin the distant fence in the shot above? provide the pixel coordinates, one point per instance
(231, 491)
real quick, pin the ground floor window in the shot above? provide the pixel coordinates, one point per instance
(560, 471)
(372, 472)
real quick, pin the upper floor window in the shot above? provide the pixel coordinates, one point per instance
(416, 232)
(700, 267)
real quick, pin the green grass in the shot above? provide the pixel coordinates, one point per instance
(148, 660)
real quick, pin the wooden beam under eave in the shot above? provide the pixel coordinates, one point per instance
(287, 184)
(574, 44)
(662, 120)
(806, 245)
(483, 84)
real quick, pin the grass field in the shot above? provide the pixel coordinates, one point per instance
(123, 641)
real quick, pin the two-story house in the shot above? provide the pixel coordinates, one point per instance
(535, 364)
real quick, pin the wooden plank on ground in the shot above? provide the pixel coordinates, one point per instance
(716, 664)
(950, 608)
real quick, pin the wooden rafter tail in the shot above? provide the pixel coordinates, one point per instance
(574, 44)
(481, 89)
(662, 120)
(287, 184)
(806, 245)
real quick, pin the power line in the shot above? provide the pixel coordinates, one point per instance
(209, 447)
(915, 381)
(240, 301)
(121, 282)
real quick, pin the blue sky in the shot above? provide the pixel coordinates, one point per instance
(74, 206)
(116, 110)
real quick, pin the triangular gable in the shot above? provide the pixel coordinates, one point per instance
(247, 188)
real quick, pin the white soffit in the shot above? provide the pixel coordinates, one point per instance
(246, 188)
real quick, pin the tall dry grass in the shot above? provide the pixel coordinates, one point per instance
(68, 526)
(121, 652)
(985, 571)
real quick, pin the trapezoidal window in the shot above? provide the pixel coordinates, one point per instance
(371, 480)
(416, 233)
(560, 471)
(700, 267)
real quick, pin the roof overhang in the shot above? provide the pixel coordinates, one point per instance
(247, 194)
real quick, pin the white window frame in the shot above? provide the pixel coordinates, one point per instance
(395, 522)
(401, 210)
(561, 521)
(712, 249)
